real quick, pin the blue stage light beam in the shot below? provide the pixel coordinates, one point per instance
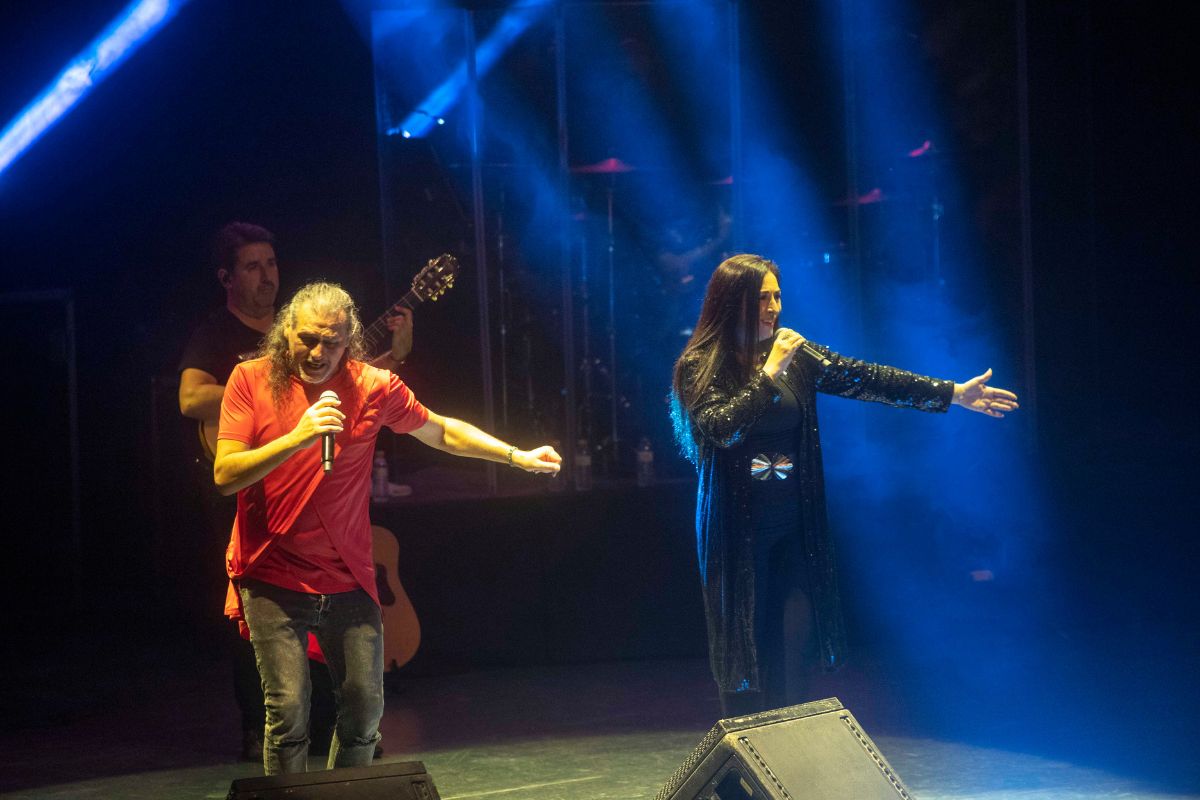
(133, 26)
(431, 112)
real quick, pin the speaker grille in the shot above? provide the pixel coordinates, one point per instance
(724, 727)
(691, 762)
(816, 749)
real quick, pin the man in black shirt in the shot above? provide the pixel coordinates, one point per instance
(245, 260)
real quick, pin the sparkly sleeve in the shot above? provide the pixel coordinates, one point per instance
(876, 383)
(723, 417)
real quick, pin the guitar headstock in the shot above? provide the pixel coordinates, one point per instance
(435, 277)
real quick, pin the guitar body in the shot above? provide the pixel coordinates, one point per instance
(208, 440)
(401, 628)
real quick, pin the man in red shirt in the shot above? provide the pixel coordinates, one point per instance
(300, 555)
(243, 256)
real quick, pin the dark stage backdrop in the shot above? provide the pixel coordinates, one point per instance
(264, 111)
(260, 112)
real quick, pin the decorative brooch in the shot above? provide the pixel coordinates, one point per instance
(764, 467)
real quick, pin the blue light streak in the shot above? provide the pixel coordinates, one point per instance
(432, 110)
(134, 25)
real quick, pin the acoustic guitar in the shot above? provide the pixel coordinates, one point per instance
(430, 283)
(401, 628)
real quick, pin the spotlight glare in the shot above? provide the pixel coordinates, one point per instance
(514, 22)
(133, 26)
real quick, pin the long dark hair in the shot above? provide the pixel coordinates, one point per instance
(724, 341)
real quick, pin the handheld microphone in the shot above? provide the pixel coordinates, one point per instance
(815, 353)
(327, 439)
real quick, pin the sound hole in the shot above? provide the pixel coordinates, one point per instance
(386, 598)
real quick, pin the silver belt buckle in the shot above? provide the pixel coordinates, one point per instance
(764, 467)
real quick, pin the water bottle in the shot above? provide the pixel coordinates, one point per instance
(583, 466)
(558, 481)
(379, 477)
(645, 463)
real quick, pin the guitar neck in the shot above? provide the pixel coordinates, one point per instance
(377, 331)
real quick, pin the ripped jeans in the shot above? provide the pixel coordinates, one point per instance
(349, 628)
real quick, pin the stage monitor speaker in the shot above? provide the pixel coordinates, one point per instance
(806, 752)
(401, 781)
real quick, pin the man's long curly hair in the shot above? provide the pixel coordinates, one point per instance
(322, 299)
(724, 340)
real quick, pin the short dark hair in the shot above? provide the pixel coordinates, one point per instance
(234, 236)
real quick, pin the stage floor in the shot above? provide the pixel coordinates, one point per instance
(583, 732)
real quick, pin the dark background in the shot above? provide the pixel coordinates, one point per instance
(264, 111)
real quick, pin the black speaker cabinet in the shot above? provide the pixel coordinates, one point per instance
(402, 781)
(815, 751)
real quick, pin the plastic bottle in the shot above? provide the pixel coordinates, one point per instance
(645, 463)
(379, 477)
(558, 481)
(583, 466)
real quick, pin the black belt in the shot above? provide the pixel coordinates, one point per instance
(765, 466)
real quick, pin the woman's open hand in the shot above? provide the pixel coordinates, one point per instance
(976, 395)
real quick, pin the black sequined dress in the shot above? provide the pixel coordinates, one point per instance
(778, 562)
(729, 423)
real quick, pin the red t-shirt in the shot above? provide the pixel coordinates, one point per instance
(299, 528)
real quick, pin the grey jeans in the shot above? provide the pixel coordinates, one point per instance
(349, 628)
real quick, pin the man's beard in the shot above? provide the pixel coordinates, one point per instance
(296, 367)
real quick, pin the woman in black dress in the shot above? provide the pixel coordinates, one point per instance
(745, 414)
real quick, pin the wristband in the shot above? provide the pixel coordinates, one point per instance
(511, 448)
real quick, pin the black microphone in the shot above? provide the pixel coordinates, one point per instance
(815, 353)
(327, 439)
